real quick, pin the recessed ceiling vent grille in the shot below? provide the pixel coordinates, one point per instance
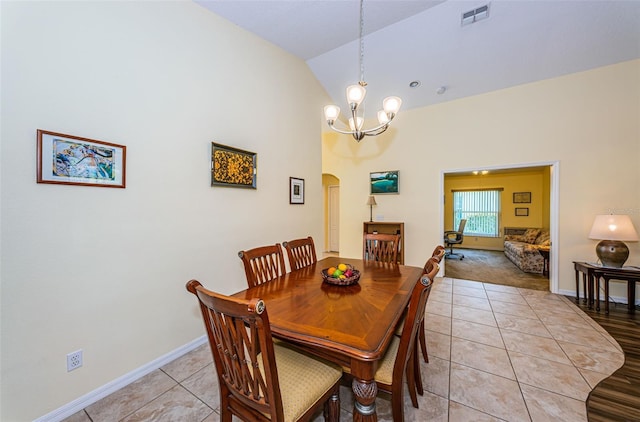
(475, 15)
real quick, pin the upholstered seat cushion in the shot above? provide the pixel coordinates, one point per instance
(384, 374)
(303, 379)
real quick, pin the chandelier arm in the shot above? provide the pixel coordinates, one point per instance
(345, 132)
(383, 126)
(376, 131)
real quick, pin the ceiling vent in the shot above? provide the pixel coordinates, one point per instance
(475, 15)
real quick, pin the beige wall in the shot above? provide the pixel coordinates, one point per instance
(104, 270)
(534, 181)
(588, 123)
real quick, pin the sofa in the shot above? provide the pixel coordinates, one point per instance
(522, 249)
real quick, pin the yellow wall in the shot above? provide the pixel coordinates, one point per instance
(534, 181)
(104, 270)
(587, 123)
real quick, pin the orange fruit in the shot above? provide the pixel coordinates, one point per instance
(331, 270)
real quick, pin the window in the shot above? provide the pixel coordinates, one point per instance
(481, 209)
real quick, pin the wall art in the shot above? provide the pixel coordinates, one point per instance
(233, 167)
(296, 190)
(72, 160)
(382, 182)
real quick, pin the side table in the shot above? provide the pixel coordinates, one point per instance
(544, 251)
(591, 275)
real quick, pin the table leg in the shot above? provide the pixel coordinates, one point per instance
(631, 295)
(577, 286)
(364, 405)
(588, 289)
(596, 295)
(606, 294)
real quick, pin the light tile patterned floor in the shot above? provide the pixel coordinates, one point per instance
(497, 353)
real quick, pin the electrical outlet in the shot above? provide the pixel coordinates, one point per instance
(74, 360)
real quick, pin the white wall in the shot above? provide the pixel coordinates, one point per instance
(589, 122)
(104, 270)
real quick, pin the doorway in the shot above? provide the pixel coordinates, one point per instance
(331, 193)
(334, 218)
(546, 203)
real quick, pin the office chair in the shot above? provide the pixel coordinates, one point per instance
(454, 237)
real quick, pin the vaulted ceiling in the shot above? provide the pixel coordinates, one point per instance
(519, 42)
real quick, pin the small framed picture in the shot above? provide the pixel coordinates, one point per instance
(521, 197)
(522, 212)
(72, 160)
(233, 167)
(382, 182)
(296, 190)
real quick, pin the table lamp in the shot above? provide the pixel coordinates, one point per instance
(611, 230)
(371, 202)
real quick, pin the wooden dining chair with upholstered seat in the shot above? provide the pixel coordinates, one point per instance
(259, 380)
(262, 264)
(380, 247)
(399, 360)
(427, 269)
(301, 253)
(438, 253)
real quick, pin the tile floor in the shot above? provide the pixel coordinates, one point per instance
(497, 353)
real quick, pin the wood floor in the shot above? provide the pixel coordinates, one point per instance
(617, 398)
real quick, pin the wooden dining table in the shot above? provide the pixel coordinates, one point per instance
(349, 325)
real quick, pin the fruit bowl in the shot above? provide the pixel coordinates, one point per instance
(350, 276)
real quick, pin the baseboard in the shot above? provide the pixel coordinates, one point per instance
(101, 392)
(612, 299)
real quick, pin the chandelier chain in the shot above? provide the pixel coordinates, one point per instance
(362, 82)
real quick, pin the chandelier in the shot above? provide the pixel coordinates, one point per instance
(355, 96)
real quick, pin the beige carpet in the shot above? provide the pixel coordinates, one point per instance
(492, 267)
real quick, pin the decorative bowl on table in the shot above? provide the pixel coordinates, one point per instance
(341, 275)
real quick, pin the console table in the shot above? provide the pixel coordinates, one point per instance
(591, 275)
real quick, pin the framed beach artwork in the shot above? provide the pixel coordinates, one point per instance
(72, 160)
(382, 182)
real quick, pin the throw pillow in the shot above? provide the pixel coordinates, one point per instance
(543, 238)
(530, 235)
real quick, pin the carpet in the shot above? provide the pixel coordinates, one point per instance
(492, 267)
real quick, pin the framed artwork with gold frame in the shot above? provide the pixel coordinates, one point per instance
(233, 167)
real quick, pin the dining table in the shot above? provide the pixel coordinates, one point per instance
(351, 325)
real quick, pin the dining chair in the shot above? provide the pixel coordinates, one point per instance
(380, 247)
(259, 380)
(262, 264)
(427, 269)
(300, 252)
(439, 253)
(399, 360)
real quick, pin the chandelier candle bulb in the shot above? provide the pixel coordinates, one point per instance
(331, 112)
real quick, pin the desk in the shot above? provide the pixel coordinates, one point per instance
(592, 273)
(349, 325)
